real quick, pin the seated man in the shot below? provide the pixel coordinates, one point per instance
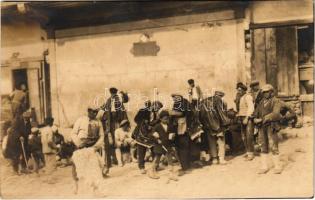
(87, 132)
(123, 141)
(64, 150)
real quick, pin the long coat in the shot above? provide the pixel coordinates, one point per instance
(213, 115)
(142, 115)
(112, 118)
(166, 144)
(13, 148)
(269, 109)
(142, 130)
(270, 112)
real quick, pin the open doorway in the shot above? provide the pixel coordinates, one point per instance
(19, 77)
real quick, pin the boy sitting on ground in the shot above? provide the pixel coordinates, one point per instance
(58, 142)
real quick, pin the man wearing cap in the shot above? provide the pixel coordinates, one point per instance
(25, 134)
(88, 131)
(142, 119)
(123, 141)
(255, 91)
(163, 134)
(267, 114)
(181, 114)
(246, 110)
(194, 93)
(215, 121)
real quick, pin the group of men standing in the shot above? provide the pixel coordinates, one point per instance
(184, 133)
(27, 144)
(260, 114)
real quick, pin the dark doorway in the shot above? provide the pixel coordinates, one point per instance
(19, 77)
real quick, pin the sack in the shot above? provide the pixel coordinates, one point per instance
(88, 165)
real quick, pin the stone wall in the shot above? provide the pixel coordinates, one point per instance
(87, 65)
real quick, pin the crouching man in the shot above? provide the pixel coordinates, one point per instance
(164, 137)
(267, 115)
(123, 142)
(88, 137)
(88, 131)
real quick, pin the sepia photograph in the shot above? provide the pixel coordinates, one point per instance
(157, 99)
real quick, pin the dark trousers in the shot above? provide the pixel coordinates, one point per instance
(15, 164)
(107, 149)
(27, 155)
(204, 145)
(268, 138)
(248, 134)
(38, 159)
(141, 150)
(194, 104)
(183, 150)
(168, 155)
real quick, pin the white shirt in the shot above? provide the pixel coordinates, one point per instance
(120, 134)
(246, 105)
(46, 138)
(194, 93)
(80, 130)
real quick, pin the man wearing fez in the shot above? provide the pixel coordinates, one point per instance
(245, 118)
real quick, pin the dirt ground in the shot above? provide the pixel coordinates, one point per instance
(237, 179)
